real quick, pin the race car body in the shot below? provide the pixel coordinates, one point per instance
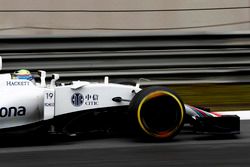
(23, 102)
(80, 106)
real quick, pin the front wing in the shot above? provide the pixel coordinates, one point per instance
(226, 124)
(204, 121)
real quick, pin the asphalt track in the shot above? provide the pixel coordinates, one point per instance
(185, 150)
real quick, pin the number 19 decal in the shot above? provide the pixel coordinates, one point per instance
(49, 104)
(49, 95)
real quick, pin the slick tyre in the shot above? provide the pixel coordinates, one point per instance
(157, 113)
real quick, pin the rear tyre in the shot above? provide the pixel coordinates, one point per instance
(157, 113)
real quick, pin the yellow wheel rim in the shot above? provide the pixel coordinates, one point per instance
(166, 133)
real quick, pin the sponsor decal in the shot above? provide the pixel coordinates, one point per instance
(77, 99)
(17, 83)
(49, 104)
(91, 99)
(12, 111)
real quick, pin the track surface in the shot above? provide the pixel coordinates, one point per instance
(184, 150)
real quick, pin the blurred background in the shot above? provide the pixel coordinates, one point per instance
(199, 48)
(28, 17)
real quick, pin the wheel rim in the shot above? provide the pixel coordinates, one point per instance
(155, 119)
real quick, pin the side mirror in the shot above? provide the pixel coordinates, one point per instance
(0, 63)
(55, 77)
(106, 80)
(42, 75)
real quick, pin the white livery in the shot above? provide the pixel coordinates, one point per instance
(81, 106)
(23, 102)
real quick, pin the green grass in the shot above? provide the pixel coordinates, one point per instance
(218, 97)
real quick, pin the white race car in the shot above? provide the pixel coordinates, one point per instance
(79, 107)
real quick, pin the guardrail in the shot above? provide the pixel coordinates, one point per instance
(158, 58)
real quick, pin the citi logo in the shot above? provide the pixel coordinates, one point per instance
(12, 111)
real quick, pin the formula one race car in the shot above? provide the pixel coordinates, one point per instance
(79, 107)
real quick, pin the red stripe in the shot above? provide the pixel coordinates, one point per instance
(200, 111)
(215, 113)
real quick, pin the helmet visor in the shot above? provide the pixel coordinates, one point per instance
(25, 77)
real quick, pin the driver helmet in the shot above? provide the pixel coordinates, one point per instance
(23, 74)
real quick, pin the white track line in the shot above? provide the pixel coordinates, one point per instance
(244, 115)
